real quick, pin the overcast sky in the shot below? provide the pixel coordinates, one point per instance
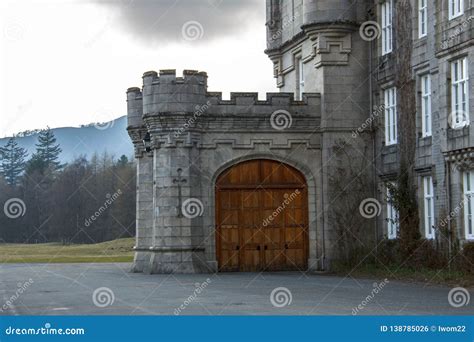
(69, 62)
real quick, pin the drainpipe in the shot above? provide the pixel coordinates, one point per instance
(323, 235)
(448, 198)
(374, 145)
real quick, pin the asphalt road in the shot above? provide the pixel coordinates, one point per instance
(110, 289)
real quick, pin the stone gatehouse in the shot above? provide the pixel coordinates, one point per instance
(186, 222)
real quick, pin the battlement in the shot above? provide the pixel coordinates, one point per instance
(272, 99)
(134, 93)
(165, 94)
(168, 76)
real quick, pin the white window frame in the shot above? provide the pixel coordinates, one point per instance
(387, 29)
(390, 109)
(422, 18)
(459, 93)
(426, 118)
(456, 8)
(392, 218)
(300, 78)
(428, 207)
(468, 187)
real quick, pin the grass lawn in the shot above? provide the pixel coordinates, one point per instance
(424, 275)
(111, 251)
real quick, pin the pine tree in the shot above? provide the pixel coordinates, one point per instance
(47, 151)
(13, 163)
(123, 161)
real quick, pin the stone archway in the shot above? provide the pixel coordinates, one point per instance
(261, 217)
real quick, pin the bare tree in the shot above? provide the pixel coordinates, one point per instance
(404, 194)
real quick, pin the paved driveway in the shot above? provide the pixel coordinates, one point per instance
(109, 289)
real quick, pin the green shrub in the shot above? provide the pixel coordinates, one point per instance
(467, 257)
(426, 255)
(388, 252)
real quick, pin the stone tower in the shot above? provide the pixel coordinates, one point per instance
(168, 170)
(315, 46)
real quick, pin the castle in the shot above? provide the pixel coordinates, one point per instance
(251, 185)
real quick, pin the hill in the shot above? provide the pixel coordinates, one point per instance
(110, 137)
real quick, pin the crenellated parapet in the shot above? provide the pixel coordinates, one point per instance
(134, 107)
(178, 110)
(164, 92)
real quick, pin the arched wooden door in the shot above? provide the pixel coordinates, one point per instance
(262, 217)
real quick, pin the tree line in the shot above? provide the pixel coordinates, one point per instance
(84, 201)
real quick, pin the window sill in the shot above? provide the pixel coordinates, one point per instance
(460, 126)
(425, 140)
(389, 149)
(455, 16)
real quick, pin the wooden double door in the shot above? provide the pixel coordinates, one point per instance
(262, 222)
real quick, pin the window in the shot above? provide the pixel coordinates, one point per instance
(392, 217)
(386, 10)
(426, 105)
(422, 18)
(390, 101)
(299, 79)
(468, 185)
(428, 206)
(459, 94)
(456, 8)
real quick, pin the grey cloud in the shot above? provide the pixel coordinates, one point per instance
(162, 21)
